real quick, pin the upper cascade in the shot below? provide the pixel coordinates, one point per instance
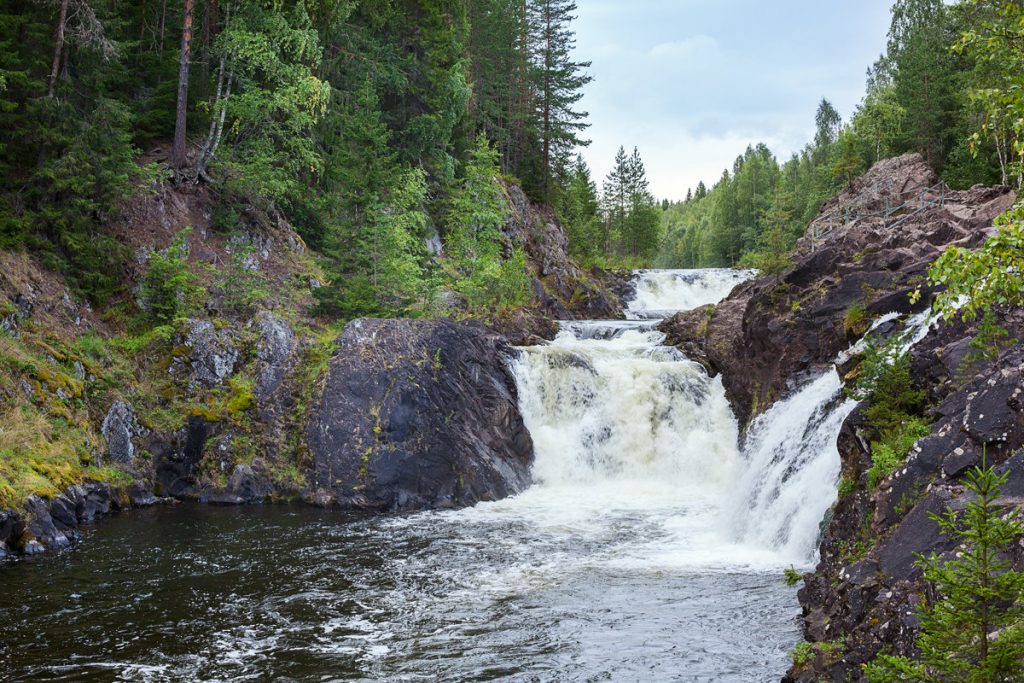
(660, 293)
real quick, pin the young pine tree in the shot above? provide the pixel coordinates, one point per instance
(973, 631)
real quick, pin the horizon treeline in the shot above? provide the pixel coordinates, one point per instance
(948, 87)
(373, 126)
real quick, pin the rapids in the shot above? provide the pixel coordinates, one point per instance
(650, 547)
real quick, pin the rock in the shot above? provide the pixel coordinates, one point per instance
(418, 414)
(39, 527)
(119, 428)
(5, 552)
(273, 354)
(141, 495)
(994, 414)
(176, 461)
(917, 534)
(12, 526)
(773, 329)
(246, 485)
(561, 289)
(212, 354)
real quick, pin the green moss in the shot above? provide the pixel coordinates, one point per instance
(241, 399)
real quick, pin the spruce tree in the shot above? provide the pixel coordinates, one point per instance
(972, 631)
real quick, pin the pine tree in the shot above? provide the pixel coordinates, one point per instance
(972, 628)
(615, 200)
(579, 209)
(558, 82)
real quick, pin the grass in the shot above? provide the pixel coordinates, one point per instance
(856, 321)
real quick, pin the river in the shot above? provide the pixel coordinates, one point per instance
(650, 548)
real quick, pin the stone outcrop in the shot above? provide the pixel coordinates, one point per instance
(418, 414)
(773, 330)
(43, 525)
(120, 428)
(771, 334)
(867, 585)
(562, 290)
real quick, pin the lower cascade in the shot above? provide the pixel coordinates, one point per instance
(650, 547)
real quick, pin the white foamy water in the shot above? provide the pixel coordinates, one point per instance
(659, 293)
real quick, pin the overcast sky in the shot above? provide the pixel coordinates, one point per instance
(693, 82)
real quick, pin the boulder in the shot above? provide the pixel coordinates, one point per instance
(40, 531)
(417, 415)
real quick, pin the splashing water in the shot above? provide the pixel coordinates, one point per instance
(660, 293)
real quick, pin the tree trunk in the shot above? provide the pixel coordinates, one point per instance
(58, 46)
(179, 153)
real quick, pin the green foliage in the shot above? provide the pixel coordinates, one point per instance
(856, 321)
(169, 290)
(976, 281)
(476, 268)
(893, 407)
(891, 450)
(579, 210)
(972, 625)
(847, 487)
(803, 654)
(242, 283)
(792, 577)
(632, 224)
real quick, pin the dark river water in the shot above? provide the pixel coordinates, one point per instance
(291, 593)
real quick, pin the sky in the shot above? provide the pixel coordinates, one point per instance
(692, 82)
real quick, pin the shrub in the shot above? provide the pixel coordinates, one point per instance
(169, 289)
(971, 625)
(857, 321)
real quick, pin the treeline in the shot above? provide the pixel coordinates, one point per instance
(619, 226)
(373, 126)
(947, 87)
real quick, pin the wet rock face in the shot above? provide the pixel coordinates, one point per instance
(418, 414)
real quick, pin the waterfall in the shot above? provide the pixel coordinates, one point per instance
(792, 462)
(660, 293)
(791, 469)
(628, 429)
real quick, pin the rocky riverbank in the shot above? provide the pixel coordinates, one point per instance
(773, 333)
(257, 399)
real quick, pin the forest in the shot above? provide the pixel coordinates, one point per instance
(947, 87)
(375, 127)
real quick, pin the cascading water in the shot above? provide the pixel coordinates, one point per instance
(660, 293)
(650, 548)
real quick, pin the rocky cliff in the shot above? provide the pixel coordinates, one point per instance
(773, 333)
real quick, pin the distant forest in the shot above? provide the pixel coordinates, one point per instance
(948, 87)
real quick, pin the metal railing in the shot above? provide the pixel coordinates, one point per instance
(920, 200)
